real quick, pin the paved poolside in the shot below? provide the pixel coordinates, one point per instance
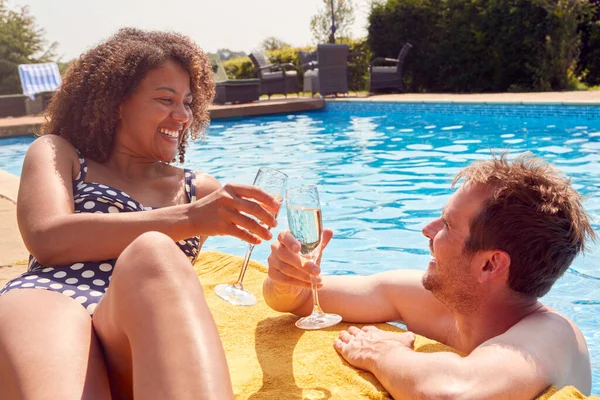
(13, 252)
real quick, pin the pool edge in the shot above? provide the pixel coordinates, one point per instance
(24, 126)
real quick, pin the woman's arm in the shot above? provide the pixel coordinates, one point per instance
(55, 235)
(205, 185)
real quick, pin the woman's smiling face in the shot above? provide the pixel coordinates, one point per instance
(155, 116)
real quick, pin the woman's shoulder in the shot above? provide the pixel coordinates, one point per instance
(204, 179)
(205, 184)
(53, 143)
(52, 147)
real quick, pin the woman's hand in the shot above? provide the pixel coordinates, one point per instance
(221, 213)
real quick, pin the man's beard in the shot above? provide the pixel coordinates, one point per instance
(453, 285)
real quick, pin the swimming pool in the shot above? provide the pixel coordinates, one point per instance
(384, 171)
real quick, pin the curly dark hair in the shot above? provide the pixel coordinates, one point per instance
(85, 110)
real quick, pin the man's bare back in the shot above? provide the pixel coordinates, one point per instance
(545, 331)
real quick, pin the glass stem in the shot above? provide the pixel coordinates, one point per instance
(315, 295)
(238, 283)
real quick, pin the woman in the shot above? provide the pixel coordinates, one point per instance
(100, 207)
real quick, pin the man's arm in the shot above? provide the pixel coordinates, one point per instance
(388, 296)
(519, 364)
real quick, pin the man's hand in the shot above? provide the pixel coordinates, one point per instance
(363, 348)
(287, 286)
(287, 269)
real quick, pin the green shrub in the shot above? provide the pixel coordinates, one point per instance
(588, 66)
(239, 68)
(480, 45)
(358, 68)
(286, 55)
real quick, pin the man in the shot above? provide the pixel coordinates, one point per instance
(503, 239)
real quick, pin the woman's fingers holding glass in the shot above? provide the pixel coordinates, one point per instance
(271, 203)
(244, 235)
(232, 229)
(251, 226)
(255, 209)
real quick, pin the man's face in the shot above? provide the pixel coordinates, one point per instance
(451, 275)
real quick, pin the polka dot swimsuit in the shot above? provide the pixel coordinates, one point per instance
(86, 282)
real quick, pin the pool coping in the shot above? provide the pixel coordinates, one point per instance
(469, 102)
(568, 98)
(23, 126)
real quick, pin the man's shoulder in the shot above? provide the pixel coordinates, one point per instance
(549, 324)
(555, 340)
(549, 318)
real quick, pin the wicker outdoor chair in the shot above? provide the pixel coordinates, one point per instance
(232, 90)
(388, 77)
(13, 105)
(332, 69)
(308, 60)
(275, 78)
(310, 81)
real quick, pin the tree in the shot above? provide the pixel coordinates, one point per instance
(588, 65)
(21, 42)
(321, 23)
(272, 43)
(226, 54)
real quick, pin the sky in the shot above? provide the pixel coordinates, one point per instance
(237, 25)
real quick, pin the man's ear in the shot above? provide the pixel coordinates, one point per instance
(494, 266)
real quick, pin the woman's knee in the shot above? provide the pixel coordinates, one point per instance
(149, 244)
(152, 258)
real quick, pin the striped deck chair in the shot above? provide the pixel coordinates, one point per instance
(39, 78)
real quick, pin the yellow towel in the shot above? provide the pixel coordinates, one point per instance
(269, 358)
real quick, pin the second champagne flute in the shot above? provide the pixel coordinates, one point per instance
(273, 182)
(304, 219)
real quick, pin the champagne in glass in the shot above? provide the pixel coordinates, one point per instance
(306, 224)
(273, 182)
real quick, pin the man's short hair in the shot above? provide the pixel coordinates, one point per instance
(533, 214)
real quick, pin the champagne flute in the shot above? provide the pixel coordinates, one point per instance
(304, 219)
(273, 182)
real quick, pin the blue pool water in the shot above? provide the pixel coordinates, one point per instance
(384, 172)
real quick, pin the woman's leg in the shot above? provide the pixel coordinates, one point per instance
(48, 348)
(159, 338)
